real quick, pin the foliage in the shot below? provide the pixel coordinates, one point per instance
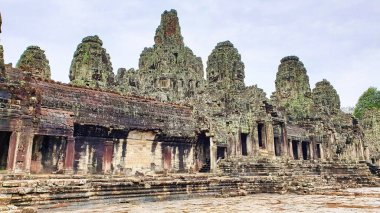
(370, 99)
(299, 107)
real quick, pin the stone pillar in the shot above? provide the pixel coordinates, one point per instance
(250, 145)
(299, 148)
(255, 140)
(69, 156)
(290, 147)
(269, 138)
(321, 152)
(23, 151)
(213, 150)
(107, 157)
(311, 150)
(12, 151)
(284, 140)
(366, 154)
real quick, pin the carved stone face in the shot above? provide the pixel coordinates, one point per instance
(34, 60)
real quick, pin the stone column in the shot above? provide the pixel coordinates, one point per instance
(12, 151)
(107, 157)
(23, 152)
(213, 155)
(299, 148)
(284, 141)
(321, 152)
(290, 147)
(366, 154)
(69, 156)
(311, 150)
(255, 140)
(269, 138)
(250, 144)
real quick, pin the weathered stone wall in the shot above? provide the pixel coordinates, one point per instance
(52, 109)
(144, 153)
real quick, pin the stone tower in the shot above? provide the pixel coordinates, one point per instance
(169, 70)
(325, 97)
(292, 87)
(2, 68)
(225, 70)
(34, 60)
(91, 65)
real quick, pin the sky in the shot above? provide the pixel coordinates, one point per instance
(337, 40)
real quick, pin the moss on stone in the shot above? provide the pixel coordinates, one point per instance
(34, 60)
(91, 65)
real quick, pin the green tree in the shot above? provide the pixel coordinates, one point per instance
(370, 99)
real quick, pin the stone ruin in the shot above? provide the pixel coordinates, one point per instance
(216, 118)
(91, 65)
(34, 60)
(2, 66)
(165, 117)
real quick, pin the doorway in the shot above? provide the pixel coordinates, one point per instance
(243, 140)
(48, 154)
(277, 146)
(295, 149)
(318, 151)
(4, 147)
(221, 152)
(261, 134)
(305, 150)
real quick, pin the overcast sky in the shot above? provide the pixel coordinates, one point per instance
(338, 40)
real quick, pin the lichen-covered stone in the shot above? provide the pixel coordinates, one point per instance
(91, 65)
(292, 87)
(126, 81)
(34, 60)
(169, 31)
(325, 96)
(371, 126)
(217, 118)
(2, 66)
(169, 71)
(225, 70)
(226, 107)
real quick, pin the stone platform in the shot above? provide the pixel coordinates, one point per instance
(20, 192)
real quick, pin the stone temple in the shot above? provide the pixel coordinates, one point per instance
(166, 118)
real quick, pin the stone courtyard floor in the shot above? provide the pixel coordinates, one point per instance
(348, 200)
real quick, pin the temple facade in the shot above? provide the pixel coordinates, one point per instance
(165, 116)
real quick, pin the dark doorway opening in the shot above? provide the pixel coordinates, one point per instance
(221, 152)
(260, 129)
(277, 146)
(305, 150)
(204, 152)
(4, 147)
(318, 151)
(243, 140)
(295, 149)
(48, 154)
